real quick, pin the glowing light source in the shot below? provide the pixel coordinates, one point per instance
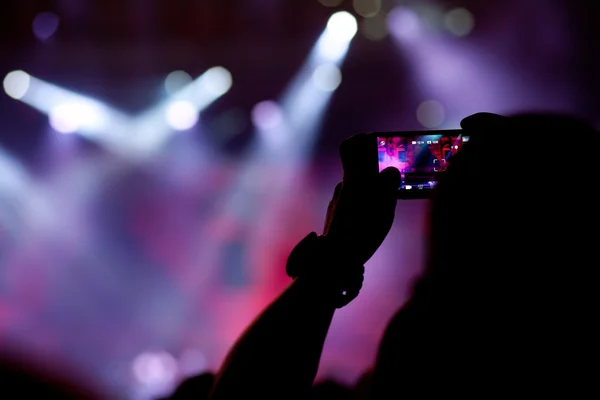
(182, 115)
(176, 81)
(431, 114)
(459, 21)
(367, 8)
(342, 25)
(154, 369)
(216, 81)
(16, 84)
(71, 117)
(404, 23)
(267, 115)
(45, 25)
(327, 77)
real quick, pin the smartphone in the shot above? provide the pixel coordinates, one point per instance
(421, 157)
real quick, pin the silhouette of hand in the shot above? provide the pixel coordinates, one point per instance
(361, 213)
(358, 219)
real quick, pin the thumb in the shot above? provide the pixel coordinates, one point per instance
(389, 183)
(488, 122)
(390, 180)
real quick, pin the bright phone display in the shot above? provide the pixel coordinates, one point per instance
(419, 156)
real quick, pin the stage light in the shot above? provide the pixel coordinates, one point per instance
(404, 23)
(342, 26)
(182, 115)
(16, 84)
(431, 114)
(216, 81)
(459, 22)
(71, 117)
(367, 8)
(327, 77)
(45, 25)
(176, 81)
(267, 115)
(155, 369)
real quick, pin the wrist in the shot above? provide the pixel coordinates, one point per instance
(319, 263)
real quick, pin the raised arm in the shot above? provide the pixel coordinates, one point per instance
(278, 355)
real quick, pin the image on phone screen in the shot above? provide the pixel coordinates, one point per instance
(420, 157)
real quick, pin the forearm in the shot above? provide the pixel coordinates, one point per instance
(278, 355)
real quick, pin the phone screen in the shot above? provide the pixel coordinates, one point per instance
(420, 157)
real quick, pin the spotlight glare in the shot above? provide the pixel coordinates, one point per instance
(343, 26)
(71, 117)
(216, 81)
(327, 77)
(267, 115)
(182, 115)
(176, 81)
(63, 120)
(16, 84)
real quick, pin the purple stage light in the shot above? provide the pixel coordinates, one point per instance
(267, 115)
(45, 25)
(404, 23)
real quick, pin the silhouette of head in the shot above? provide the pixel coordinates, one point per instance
(510, 277)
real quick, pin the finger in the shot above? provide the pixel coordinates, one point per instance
(359, 158)
(390, 179)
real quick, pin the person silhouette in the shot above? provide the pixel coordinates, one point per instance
(506, 302)
(504, 306)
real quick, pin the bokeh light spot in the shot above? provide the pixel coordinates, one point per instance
(327, 77)
(155, 369)
(176, 81)
(431, 114)
(460, 22)
(45, 25)
(367, 8)
(267, 115)
(182, 115)
(217, 81)
(404, 23)
(16, 84)
(375, 28)
(71, 117)
(343, 26)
